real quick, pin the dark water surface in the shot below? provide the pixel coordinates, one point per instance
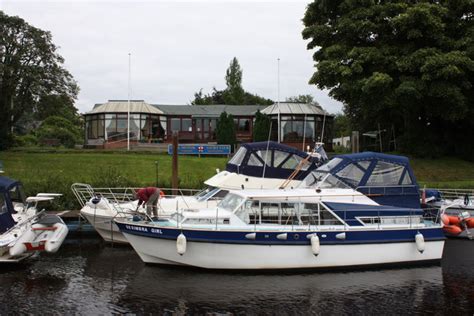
(87, 277)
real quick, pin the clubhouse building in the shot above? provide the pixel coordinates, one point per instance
(106, 124)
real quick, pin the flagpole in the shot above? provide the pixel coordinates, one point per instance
(278, 102)
(128, 107)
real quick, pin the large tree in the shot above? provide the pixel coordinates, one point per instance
(233, 94)
(406, 64)
(30, 68)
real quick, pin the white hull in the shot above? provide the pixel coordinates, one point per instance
(102, 216)
(105, 227)
(239, 256)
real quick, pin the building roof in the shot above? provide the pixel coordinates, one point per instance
(210, 110)
(121, 106)
(291, 108)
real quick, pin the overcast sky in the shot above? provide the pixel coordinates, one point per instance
(177, 48)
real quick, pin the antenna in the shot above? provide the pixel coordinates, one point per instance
(278, 101)
(128, 107)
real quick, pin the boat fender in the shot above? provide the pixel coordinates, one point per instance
(420, 242)
(315, 246)
(341, 236)
(445, 219)
(282, 236)
(470, 222)
(251, 236)
(452, 230)
(181, 244)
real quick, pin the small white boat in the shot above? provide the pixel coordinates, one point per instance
(288, 229)
(263, 165)
(23, 230)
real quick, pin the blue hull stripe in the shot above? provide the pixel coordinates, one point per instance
(294, 238)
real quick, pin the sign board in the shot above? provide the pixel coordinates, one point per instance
(200, 149)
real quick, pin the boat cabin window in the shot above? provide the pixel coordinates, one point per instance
(230, 202)
(266, 156)
(406, 179)
(385, 173)
(220, 194)
(254, 161)
(207, 221)
(293, 162)
(238, 157)
(17, 195)
(352, 174)
(286, 213)
(3, 204)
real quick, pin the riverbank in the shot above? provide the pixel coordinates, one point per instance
(55, 170)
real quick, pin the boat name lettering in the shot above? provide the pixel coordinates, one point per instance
(137, 228)
(156, 231)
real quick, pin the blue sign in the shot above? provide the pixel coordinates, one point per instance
(200, 149)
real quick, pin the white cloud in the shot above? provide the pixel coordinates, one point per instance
(177, 47)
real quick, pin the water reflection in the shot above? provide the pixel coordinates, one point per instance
(86, 277)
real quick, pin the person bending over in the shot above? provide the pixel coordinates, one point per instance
(148, 196)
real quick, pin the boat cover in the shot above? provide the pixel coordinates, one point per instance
(6, 206)
(387, 179)
(349, 212)
(270, 160)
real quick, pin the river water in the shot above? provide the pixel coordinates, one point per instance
(87, 277)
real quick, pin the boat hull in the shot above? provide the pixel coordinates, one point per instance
(105, 227)
(278, 255)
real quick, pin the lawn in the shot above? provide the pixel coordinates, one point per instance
(56, 170)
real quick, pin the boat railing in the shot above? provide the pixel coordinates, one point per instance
(299, 215)
(118, 196)
(466, 195)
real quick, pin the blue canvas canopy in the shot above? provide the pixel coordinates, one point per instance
(270, 160)
(387, 179)
(6, 205)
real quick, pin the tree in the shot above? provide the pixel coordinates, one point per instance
(30, 68)
(302, 98)
(342, 125)
(406, 64)
(225, 130)
(61, 129)
(261, 127)
(57, 105)
(233, 94)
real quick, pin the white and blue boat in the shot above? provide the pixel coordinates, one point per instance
(288, 229)
(386, 179)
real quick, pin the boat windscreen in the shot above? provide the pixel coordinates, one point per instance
(238, 157)
(230, 202)
(204, 194)
(327, 167)
(322, 180)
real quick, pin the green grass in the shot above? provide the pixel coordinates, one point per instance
(444, 173)
(53, 170)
